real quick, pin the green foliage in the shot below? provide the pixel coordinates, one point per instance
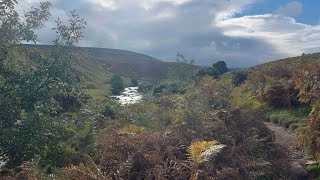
(13, 29)
(117, 84)
(99, 93)
(111, 109)
(216, 70)
(170, 87)
(134, 82)
(35, 89)
(241, 98)
(182, 70)
(239, 78)
(220, 67)
(314, 169)
(288, 117)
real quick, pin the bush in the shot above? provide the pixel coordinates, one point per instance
(279, 95)
(239, 78)
(170, 87)
(216, 70)
(110, 110)
(117, 84)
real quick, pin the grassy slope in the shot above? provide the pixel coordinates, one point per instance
(102, 63)
(307, 58)
(287, 117)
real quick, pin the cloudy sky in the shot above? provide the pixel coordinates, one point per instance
(241, 32)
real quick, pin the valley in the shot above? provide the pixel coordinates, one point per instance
(70, 112)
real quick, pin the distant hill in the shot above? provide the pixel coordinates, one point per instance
(305, 58)
(102, 62)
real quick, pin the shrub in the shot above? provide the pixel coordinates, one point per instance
(244, 99)
(110, 110)
(170, 87)
(239, 77)
(216, 70)
(279, 95)
(309, 134)
(117, 84)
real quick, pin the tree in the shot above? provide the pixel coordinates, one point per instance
(32, 84)
(220, 67)
(216, 70)
(117, 85)
(134, 82)
(182, 70)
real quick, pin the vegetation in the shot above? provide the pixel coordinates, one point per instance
(216, 70)
(205, 125)
(134, 82)
(37, 90)
(117, 84)
(288, 117)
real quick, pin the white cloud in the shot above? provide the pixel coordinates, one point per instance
(149, 4)
(105, 4)
(283, 33)
(206, 30)
(291, 9)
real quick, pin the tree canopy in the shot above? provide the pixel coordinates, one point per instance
(215, 70)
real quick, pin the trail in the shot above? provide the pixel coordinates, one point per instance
(288, 140)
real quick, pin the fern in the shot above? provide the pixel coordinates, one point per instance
(201, 151)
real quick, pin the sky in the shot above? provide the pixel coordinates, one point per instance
(241, 32)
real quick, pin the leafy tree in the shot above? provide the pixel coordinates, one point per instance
(117, 84)
(34, 86)
(220, 67)
(182, 70)
(215, 70)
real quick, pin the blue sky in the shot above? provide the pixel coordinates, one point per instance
(241, 32)
(310, 13)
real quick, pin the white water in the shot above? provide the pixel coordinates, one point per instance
(2, 163)
(130, 95)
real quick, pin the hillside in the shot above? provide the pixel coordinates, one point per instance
(102, 62)
(305, 58)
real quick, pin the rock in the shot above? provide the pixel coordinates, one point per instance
(311, 162)
(297, 171)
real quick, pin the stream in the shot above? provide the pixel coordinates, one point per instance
(130, 95)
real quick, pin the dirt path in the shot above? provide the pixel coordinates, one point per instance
(288, 139)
